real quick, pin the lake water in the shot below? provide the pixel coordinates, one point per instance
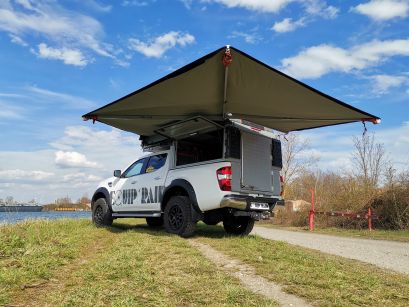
(15, 217)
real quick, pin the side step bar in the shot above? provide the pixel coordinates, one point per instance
(136, 214)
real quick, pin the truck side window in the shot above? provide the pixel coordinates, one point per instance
(155, 163)
(135, 169)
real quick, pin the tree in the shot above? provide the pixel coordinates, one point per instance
(295, 159)
(369, 160)
(10, 201)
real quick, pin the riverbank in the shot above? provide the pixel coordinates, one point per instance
(16, 217)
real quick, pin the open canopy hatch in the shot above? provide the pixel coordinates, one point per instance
(227, 84)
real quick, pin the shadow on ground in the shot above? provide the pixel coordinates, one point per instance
(202, 230)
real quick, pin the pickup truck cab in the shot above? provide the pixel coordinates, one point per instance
(197, 170)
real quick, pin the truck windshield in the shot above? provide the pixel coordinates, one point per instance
(200, 148)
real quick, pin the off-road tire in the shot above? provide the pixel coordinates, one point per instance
(154, 221)
(101, 214)
(178, 216)
(238, 225)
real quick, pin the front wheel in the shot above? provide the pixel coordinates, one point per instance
(178, 216)
(101, 214)
(238, 225)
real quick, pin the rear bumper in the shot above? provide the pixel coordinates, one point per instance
(243, 202)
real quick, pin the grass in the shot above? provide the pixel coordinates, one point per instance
(125, 265)
(376, 234)
(71, 263)
(322, 279)
(31, 251)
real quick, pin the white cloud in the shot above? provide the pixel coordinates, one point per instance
(110, 149)
(287, 25)
(45, 95)
(251, 38)
(317, 61)
(187, 3)
(134, 3)
(97, 6)
(157, 46)
(24, 175)
(75, 159)
(68, 56)
(381, 10)
(312, 7)
(334, 147)
(17, 40)
(81, 178)
(267, 6)
(383, 83)
(8, 111)
(70, 30)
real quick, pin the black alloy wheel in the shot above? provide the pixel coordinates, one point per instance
(178, 216)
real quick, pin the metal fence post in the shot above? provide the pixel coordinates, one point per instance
(312, 212)
(370, 219)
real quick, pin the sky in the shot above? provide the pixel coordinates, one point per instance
(62, 59)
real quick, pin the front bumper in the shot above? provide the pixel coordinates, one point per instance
(244, 202)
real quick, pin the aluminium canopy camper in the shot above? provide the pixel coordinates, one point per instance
(227, 85)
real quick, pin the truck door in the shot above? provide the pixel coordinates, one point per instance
(151, 183)
(125, 192)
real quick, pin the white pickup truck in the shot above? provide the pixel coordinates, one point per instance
(213, 157)
(198, 170)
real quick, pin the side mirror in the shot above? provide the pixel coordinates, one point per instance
(117, 173)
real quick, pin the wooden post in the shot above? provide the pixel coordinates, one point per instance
(312, 212)
(369, 219)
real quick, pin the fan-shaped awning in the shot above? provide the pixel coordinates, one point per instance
(215, 88)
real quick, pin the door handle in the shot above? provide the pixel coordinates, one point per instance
(157, 178)
(133, 182)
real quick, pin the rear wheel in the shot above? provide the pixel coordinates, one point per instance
(101, 214)
(154, 221)
(238, 225)
(178, 216)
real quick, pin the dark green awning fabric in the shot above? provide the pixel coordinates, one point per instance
(253, 91)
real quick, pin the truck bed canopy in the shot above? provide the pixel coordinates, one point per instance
(227, 84)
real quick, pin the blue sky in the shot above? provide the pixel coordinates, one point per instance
(61, 59)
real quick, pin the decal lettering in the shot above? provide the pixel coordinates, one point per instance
(144, 195)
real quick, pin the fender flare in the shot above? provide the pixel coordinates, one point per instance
(184, 184)
(106, 195)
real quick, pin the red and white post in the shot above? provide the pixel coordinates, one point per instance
(311, 215)
(370, 219)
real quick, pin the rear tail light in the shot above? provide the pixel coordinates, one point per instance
(224, 178)
(281, 185)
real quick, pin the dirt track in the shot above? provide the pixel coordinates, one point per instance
(246, 274)
(384, 254)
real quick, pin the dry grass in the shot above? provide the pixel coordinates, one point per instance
(376, 234)
(126, 265)
(324, 280)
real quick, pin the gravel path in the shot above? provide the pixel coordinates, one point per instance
(385, 254)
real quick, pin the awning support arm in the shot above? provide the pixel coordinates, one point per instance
(227, 59)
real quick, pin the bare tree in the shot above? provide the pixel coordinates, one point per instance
(295, 159)
(369, 160)
(10, 201)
